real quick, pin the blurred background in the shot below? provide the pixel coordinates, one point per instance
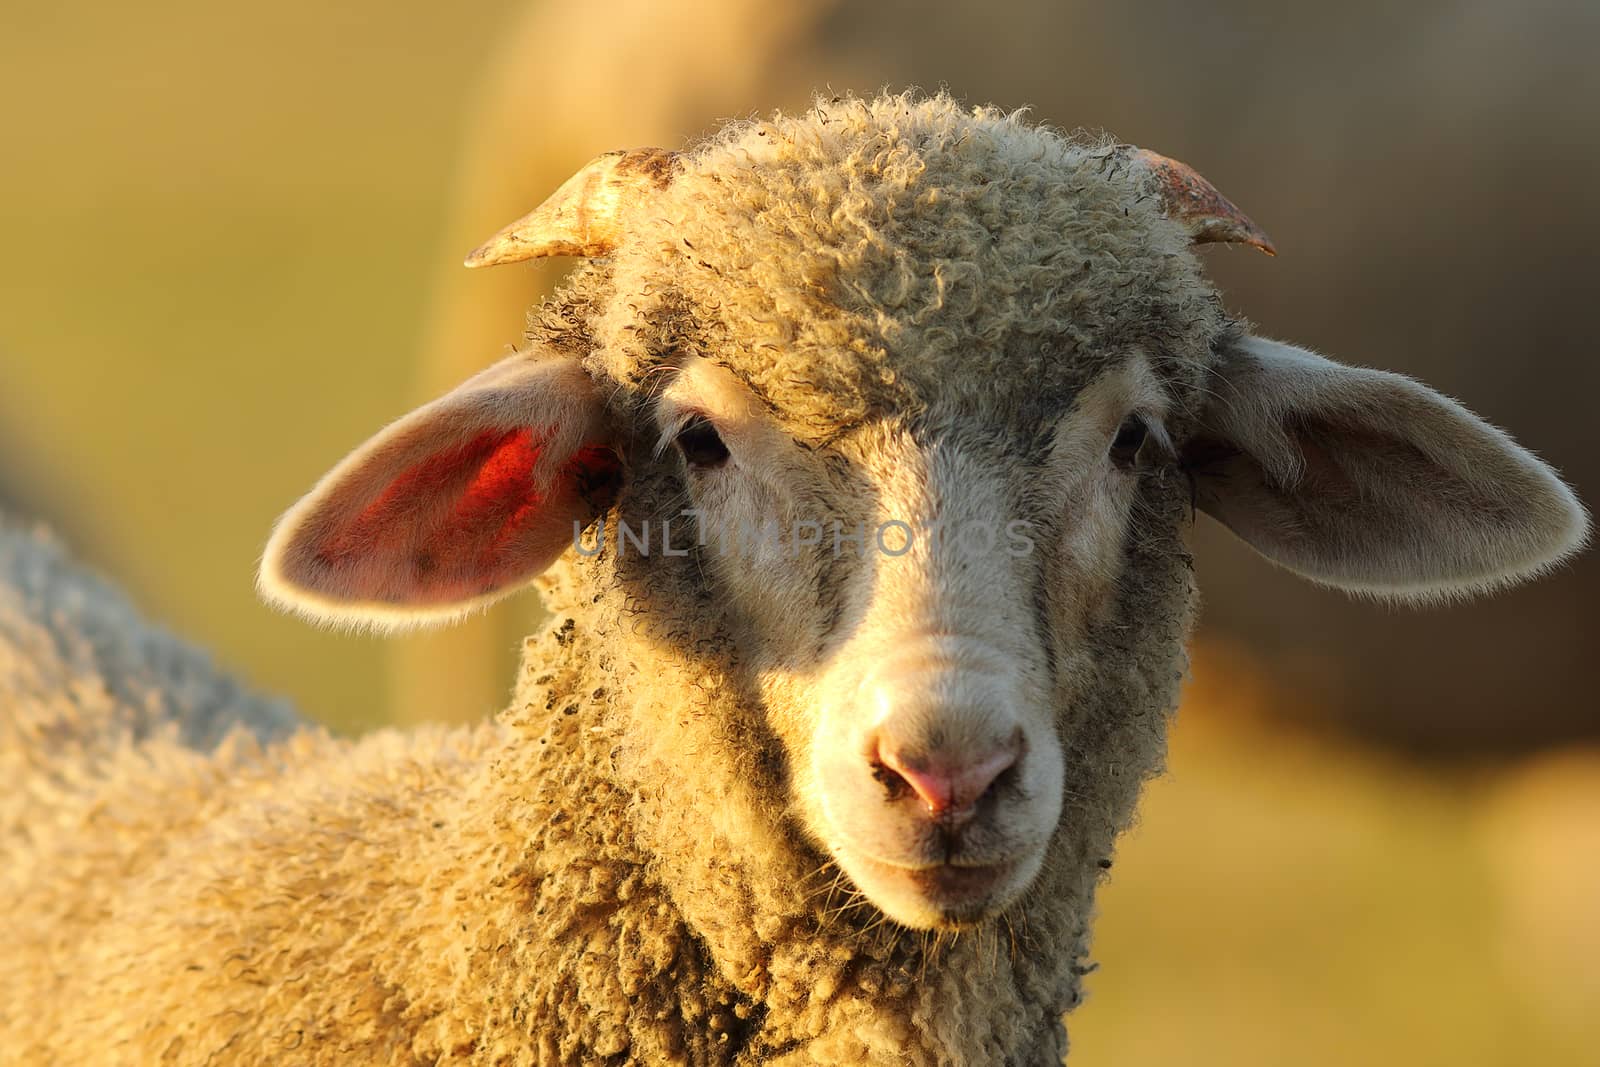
(231, 247)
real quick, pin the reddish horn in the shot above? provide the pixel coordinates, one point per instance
(1188, 198)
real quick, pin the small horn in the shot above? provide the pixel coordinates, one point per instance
(584, 216)
(1188, 198)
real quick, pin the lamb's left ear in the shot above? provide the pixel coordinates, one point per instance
(452, 506)
(1370, 481)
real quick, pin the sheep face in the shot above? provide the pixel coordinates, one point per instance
(924, 601)
(919, 402)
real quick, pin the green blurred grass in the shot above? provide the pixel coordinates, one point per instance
(219, 224)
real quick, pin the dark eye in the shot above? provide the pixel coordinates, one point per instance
(700, 444)
(1130, 439)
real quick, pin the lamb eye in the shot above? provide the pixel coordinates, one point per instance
(700, 444)
(1129, 440)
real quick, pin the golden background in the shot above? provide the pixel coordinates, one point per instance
(231, 237)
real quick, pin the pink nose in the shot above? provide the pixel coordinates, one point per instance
(947, 783)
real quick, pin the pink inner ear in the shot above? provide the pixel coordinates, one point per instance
(457, 524)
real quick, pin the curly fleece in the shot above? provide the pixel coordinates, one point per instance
(612, 873)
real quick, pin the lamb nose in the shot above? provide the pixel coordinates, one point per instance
(947, 784)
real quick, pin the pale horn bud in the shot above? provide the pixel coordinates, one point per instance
(1189, 199)
(584, 216)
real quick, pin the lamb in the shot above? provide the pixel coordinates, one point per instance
(86, 681)
(800, 773)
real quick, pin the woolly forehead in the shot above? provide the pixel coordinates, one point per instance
(855, 268)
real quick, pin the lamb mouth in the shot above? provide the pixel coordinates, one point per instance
(942, 895)
(948, 883)
(961, 896)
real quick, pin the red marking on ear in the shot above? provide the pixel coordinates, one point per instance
(499, 502)
(460, 482)
(465, 521)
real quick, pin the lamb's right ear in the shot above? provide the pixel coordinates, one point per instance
(452, 506)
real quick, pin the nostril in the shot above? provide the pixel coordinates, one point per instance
(932, 786)
(894, 785)
(944, 783)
